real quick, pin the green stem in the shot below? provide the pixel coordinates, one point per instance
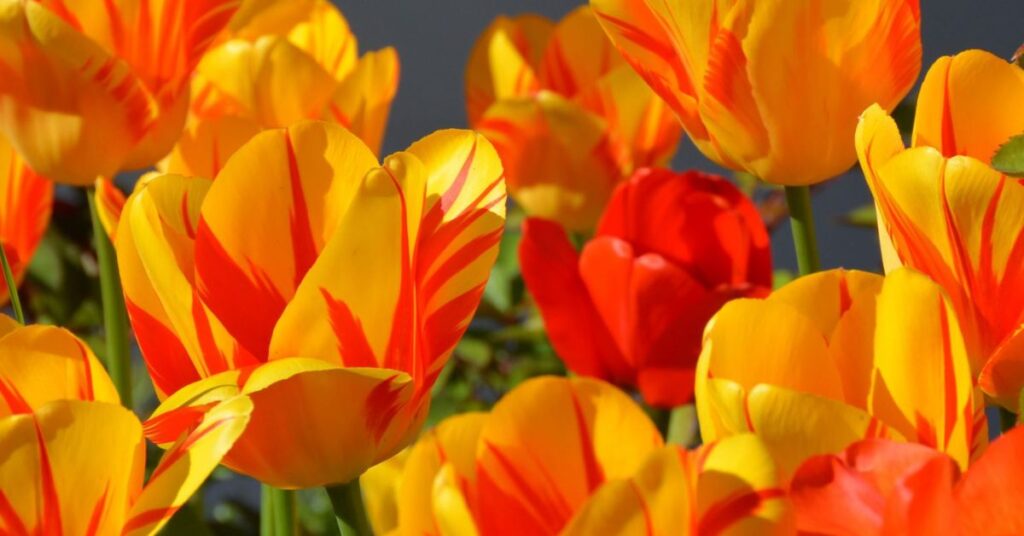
(115, 319)
(277, 514)
(12, 287)
(347, 500)
(801, 219)
(682, 427)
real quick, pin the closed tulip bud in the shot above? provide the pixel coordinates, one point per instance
(670, 249)
(773, 88)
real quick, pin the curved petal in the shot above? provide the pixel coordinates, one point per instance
(269, 17)
(557, 157)
(950, 105)
(39, 364)
(186, 464)
(70, 467)
(380, 485)
(26, 199)
(577, 54)
(362, 101)
(206, 144)
(325, 36)
(534, 473)
(247, 269)
(504, 61)
(988, 496)
(109, 201)
(878, 139)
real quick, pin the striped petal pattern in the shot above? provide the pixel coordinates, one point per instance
(26, 200)
(716, 63)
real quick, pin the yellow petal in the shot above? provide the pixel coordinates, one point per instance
(451, 509)
(39, 364)
(325, 36)
(109, 201)
(962, 92)
(878, 140)
(269, 17)
(206, 145)
(71, 467)
(504, 61)
(27, 199)
(185, 466)
(551, 443)
(380, 485)
(362, 101)
(577, 54)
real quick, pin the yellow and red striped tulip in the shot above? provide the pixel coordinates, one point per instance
(568, 117)
(836, 357)
(943, 210)
(25, 203)
(773, 87)
(88, 89)
(74, 459)
(328, 287)
(308, 70)
(881, 487)
(577, 456)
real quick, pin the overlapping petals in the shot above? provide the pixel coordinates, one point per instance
(836, 357)
(576, 456)
(347, 312)
(773, 88)
(568, 117)
(944, 211)
(25, 203)
(87, 89)
(670, 249)
(74, 459)
(882, 487)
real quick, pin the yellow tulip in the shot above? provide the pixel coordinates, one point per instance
(568, 117)
(836, 357)
(88, 89)
(577, 456)
(74, 459)
(943, 210)
(772, 87)
(327, 286)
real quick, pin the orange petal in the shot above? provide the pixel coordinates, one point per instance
(577, 54)
(269, 17)
(878, 139)
(534, 473)
(27, 199)
(362, 101)
(325, 36)
(206, 145)
(504, 61)
(989, 496)
(39, 364)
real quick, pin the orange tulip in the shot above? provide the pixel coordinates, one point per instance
(332, 290)
(577, 456)
(944, 211)
(25, 203)
(74, 459)
(670, 249)
(88, 89)
(836, 357)
(772, 88)
(881, 487)
(568, 117)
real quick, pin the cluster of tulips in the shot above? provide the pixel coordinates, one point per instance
(295, 298)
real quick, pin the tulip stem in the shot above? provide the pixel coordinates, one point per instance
(682, 427)
(115, 318)
(801, 219)
(347, 500)
(12, 287)
(277, 512)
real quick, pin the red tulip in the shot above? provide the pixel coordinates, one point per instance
(670, 249)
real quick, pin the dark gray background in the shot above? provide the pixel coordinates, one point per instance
(433, 38)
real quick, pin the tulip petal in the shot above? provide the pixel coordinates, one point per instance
(206, 144)
(504, 61)
(550, 267)
(577, 54)
(109, 201)
(924, 386)
(325, 36)
(362, 101)
(39, 364)
(185, 466)
(533, 474)
(949, 106)
(988, 498)
(878, 139)
(70, 467)
(26, 199)
(248, 269)
(380, 485)
(269, 17)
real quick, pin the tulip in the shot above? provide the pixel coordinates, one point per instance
(771, 88)
(89, 89)
(331, 290)
(882, 487)
(568, 117)
(836, 357)
(670, 249)
(310, 70)
(74, 459)
(943, 210)
(26, 199)
(577, 456)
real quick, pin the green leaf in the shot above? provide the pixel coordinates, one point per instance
(1009, 159)
(863, 216)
